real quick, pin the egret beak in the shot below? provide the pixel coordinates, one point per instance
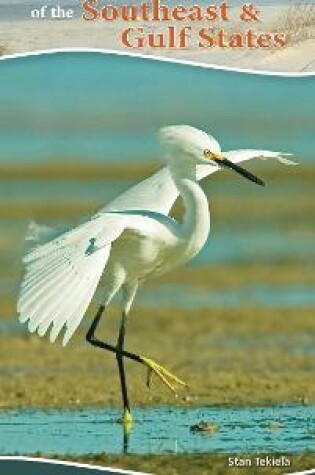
(221, 160)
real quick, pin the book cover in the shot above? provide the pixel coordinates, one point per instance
(157, 237)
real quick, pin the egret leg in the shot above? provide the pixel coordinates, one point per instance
(127, 418)
(162, 373)
(91, 338)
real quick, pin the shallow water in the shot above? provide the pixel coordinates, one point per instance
(185, 297)
(256, 246)
(159, 430)
(37, 117)
(225, 247)
(181, 296)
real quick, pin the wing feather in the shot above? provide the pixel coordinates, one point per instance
(238, 156)
(62, 275)
(53, 280)
(54, 304)
(34, 279)
(158, 192)
(50, 305)
(43, 327)
(75, 318)
(63, 270)
(80, 292)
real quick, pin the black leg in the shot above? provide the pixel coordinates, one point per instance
(121, 367)
(90, 338)
(120, 354)
(163, 374)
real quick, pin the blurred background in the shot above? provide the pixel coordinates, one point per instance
(77, 129)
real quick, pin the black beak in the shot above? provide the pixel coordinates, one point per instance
(233, 166)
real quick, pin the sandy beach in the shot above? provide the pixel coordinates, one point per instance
(35, 35)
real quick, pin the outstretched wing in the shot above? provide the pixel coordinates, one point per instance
(152, 194)
(158, 192)
(238, 156)
(62, 275)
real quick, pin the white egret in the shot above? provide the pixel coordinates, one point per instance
(133, 239)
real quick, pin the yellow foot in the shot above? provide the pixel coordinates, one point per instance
(126, 419)
(165, 376)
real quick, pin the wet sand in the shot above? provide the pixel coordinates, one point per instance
(271, 364)
(251, 354)
(245, 356)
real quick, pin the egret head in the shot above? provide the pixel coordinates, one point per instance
(184, 141)
(188, 143)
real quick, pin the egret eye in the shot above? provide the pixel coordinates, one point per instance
(208, 153)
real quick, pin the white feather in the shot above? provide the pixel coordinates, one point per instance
(61, 274)
(54, 304)
(158, 192)
(78, 312)
(63, 270)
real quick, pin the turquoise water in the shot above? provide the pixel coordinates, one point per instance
(257, 246)
(184, 297)
(84, 106)
(238, 247)
(79, 107)
(280, 429)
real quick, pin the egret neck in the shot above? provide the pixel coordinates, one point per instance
(196, 221)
